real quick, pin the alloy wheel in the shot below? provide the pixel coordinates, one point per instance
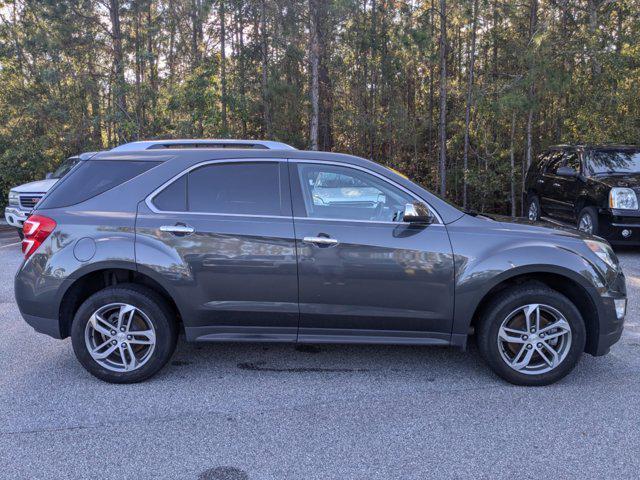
(586, 224)
(534, 339)
(533, 211)
(120, 337)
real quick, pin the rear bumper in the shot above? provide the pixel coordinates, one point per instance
(15, 216)
(48, 326)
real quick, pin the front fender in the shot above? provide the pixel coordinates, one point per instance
(477, 275)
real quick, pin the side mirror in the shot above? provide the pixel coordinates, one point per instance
(48, 175)
(566, 172)
(417, 213)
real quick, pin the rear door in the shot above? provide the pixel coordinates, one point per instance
(364, 275)
(222, 235)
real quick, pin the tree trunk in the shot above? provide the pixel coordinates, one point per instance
(533, 25)
(196, 32)
(266, 110)
(223, 68)
(443, 98)
(171, 58)
(596, 67)
(243, 99)
(467, 113)
(314, 61)
(512, 159)
(120, 98)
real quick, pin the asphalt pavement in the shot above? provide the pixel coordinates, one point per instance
(239, 411)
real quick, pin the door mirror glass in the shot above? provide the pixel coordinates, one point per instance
(48, 175)
(417, 213)
(566, 172)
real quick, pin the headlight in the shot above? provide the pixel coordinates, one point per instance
(623, 198)
(14, 199)
(603, 251)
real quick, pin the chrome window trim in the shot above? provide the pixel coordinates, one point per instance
(149, 199)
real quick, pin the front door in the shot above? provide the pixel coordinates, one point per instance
(551, 195)
(222, 237)
(364, 275)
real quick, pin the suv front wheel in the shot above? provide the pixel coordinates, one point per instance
(588, 221)
(531, 335)
(124, 334)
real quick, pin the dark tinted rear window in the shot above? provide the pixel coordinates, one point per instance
(92, 178)
(174, 197)
(248, 188)
(238, 188)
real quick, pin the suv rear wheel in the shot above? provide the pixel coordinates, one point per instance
(124, 334)
(531, 335)
(533, 208)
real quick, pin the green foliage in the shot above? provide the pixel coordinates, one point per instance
(577, 72)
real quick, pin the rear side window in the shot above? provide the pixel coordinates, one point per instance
(174, 197)
(92, 178)
(251, 188)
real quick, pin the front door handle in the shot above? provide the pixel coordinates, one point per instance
(557, 185)
(177, 229)
(320, 240)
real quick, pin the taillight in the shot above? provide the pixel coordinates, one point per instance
(36, 229)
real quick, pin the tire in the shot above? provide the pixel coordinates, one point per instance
(533, 208)
(151, 319)
(20, 234)
(588, 218)
(497, 352)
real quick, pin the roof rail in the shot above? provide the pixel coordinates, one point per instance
(201, 143)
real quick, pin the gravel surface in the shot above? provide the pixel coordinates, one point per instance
(238, 411)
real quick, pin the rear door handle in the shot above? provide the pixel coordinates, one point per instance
(320, 240)
(179, 229)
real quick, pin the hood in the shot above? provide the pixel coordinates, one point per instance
(522, 225)
(39, 186)
(630, 180)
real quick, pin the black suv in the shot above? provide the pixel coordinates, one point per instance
(593, 187)
(230, 245)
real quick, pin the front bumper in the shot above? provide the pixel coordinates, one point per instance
(620, 227)
(15, 216)
(610, 327)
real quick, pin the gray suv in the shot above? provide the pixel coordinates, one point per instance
(281, 245)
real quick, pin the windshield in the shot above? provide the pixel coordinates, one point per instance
(614, 161)
(64, 168)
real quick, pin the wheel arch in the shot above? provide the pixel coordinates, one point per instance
(564, 282)
(101, 275)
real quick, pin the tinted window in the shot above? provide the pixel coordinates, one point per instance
(239, 188)
(174, 197)
(92, 178)
(556, 161)
(349, 194)
(614, 161)
(572, 159)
